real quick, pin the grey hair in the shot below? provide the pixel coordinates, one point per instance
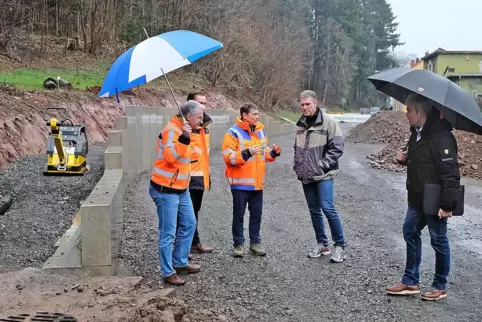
(420, 103)
(189, 107)
(308, 94)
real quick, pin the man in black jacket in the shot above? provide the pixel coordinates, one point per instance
(431, 158)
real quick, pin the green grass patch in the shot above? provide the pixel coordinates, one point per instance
(290, 115)
(80, 78)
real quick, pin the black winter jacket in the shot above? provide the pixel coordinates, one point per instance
(433, 159)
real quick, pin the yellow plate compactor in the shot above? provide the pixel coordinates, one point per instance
(67, 146)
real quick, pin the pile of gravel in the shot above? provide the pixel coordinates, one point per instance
(42, 208)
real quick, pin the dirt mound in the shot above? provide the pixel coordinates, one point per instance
(383, 127)
(393, 128)
(165, 309)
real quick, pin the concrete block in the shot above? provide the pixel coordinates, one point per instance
(68, 254)
(234, 115)
(113, 157)
(95, 232)
(114, 138)
(120, 123)
(125, 152)
(101, 270)
(268, 128)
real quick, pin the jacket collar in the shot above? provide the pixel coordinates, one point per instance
(245, 126)
(434, 124)
(207, 120)
(177, 121)
(303, 121)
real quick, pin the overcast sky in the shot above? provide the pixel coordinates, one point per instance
(430, 24)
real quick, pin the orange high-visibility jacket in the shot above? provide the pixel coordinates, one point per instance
(173, 162)
(200, 172)
(244, 171)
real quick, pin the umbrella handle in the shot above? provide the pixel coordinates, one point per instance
(175, 100)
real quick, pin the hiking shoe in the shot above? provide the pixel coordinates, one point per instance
(257, 249)
(402, 289)
(319, 250)
(174, 280)
(433, 295)
(339, 255)
(238, 251)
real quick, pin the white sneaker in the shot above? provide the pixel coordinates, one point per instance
(319, 250)
(339, 255)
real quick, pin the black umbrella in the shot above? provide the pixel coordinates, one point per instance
(456, 104)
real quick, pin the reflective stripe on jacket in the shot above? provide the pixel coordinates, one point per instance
(173, 162)
(244, 171)
(200, 146)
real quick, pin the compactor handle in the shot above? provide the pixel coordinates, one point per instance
(55, 108)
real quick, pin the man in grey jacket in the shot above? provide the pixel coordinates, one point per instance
(318, 146)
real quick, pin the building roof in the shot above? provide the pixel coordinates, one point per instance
(450, 52)
(464, 75)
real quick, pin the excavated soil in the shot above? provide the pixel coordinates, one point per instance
(23, 132)
(108, 299)
(392, 128)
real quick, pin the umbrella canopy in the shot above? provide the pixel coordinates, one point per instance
(456, 104)
(155, 57)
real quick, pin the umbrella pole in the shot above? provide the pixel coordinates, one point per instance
(170, 88)
(169, 84)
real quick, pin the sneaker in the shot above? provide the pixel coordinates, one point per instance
(319, 250)
(402, 289)
(433, 295)
(339, 255)
(238, 251)
(257, 249)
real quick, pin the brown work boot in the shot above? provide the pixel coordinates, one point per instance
(202, 248)
(189, 269)
(174, 280)
(402, 289)
(434, 295)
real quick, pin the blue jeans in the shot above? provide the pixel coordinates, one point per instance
(319, 197)
(170, 206)
(254, 200)
(415, 221)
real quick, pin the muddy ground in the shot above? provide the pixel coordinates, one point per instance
(107, 299)
(286, 285)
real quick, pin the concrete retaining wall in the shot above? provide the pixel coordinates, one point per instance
(91, 245)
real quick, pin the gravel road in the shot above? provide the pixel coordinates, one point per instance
(42, 208)
(286, 285)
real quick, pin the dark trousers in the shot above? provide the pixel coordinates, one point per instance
(197, 199)
(254, 200)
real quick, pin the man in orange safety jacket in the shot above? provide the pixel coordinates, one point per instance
(245, 150)
(168, 188)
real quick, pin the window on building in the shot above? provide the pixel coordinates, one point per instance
(451, 70)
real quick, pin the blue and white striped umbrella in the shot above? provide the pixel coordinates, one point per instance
(148, 59)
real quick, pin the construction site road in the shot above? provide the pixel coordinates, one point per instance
(288, 286)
